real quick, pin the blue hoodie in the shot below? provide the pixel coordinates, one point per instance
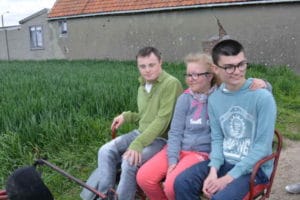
(242, 128)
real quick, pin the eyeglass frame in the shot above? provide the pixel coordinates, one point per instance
(243, 64)
(195, 76)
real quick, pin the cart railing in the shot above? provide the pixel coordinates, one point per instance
(111, 193)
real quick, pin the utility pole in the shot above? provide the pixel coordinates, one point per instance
(5, 35)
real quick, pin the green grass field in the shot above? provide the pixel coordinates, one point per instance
(62, 110)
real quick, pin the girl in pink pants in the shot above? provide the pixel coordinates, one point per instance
(158, 166)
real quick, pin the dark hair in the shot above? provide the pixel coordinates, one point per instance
(146, 51)
(226, 48)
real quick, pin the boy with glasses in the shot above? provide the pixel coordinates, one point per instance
(242, 127)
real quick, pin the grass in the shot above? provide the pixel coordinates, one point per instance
(62, 110)
(286, 90)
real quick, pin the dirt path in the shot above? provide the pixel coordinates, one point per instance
(288, 171)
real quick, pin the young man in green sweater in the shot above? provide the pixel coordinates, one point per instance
(156, 98)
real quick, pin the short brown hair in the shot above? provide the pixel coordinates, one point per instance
(146, 51)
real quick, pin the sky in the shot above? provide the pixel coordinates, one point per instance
(15, 10)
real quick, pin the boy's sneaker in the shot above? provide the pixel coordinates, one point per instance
(293, 188)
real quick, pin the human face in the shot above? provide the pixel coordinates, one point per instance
(236, 79)
(197, 78)
(149, 67)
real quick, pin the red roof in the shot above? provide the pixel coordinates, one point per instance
(64, 8)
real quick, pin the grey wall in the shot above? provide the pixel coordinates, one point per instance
(270, 34)
(19, 41)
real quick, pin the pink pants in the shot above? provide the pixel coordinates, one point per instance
(152, 173)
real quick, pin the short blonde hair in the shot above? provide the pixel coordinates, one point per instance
(205, 60)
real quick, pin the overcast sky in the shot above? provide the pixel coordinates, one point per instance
(20, 9)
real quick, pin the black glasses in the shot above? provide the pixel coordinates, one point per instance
(196, 75)
(230, 68)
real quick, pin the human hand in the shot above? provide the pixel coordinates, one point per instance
(216, 185)
(171, 168)
(207, 182)
(133, 157)
(258, 84)
(3, 195)
(117, 122)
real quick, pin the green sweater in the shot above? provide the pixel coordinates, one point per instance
(155, 109)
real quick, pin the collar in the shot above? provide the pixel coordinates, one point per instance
(189, 91)
(245, 86)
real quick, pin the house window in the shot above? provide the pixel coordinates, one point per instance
(63, 28)
(36, 37)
